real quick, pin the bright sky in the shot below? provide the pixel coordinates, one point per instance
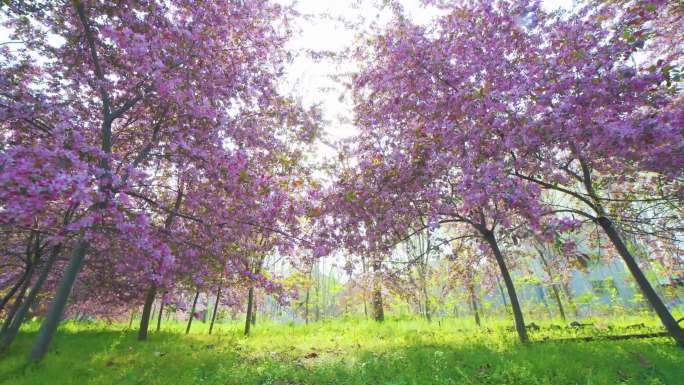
(310, 79)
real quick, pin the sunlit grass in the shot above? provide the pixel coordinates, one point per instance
(347, 352)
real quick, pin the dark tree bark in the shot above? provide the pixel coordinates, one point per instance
(508, 281)
(658, 306)
(213, 314)
(473, 301)
(600, 217)
(192, 313)
(146, 313)
(248, 316)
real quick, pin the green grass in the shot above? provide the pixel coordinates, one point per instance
(341, 352)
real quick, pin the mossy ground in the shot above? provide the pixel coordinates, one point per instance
(352, 351)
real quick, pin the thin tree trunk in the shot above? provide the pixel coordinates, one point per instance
(56, 308)
(473, 300)
(515, 305)
(152, 291)
(554, 286)
(146, 313)
(663, 313)
(213, 315)
(13, 290)
(306, 307)
(192, 313)
(378, 311)
(556, 295)
(16, 305)
(570, 297)
(427, 303)
(161, 311)
(503, 295)
(130, 321)
(254, 309)
(248, 316)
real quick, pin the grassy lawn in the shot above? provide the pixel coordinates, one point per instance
(343, 352)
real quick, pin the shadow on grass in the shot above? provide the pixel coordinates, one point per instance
(101, 356)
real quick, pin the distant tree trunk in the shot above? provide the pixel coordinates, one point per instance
(147, 312)
(428, 316)
(213, 314)
(130, 321)
(254, 309)
(378, 311)
(571, 299)
(192, 312)
(554, 286)
(508, 281)
(556, 296)
(503, 295)
(161, 312)
(248, 316)
(306, 307)
(473, 300)
(365, 289)
(318, 306)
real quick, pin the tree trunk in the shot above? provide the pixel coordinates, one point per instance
(248, 315)
(473, 300)
(16, 305)
(130, 321)
(554, 286)
(515, 305)
(378, 311)
(427, 303)
(306, 307)
(161, 311)
(665, 316)
(147, 311)
(192, 313)
(213, 314)
(503, 296)
(56, 308)
(14, 289)
(152, 292)
(254, 309)
(571, 299)
(556, 295)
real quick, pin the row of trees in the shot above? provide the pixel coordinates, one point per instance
(145, 153)
(509, 123)
(147, 156)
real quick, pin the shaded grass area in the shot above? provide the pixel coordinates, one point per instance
(343, 352)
